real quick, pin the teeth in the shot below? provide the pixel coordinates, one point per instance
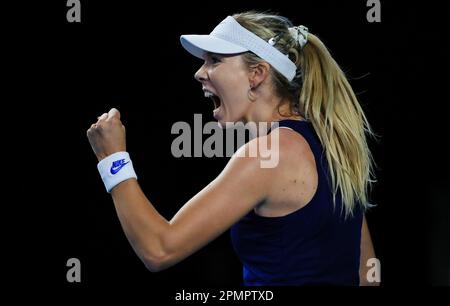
(215, 98)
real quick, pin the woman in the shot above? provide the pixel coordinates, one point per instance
(299, 223)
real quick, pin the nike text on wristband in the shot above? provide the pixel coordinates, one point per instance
(115, 169)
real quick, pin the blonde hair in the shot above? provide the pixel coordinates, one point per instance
(321, 93)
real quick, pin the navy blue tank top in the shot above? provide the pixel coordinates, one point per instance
(314, 245)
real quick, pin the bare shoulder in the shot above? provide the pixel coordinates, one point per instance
(294, 178)
(296, 157)
(277, 157)
(294, 150)
(251, 162)
(287, 147)
(294, 147)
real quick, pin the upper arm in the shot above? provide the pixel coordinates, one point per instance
(238, 188)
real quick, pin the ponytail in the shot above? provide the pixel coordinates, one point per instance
(329, 103)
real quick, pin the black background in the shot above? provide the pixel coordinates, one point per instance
(127, 55)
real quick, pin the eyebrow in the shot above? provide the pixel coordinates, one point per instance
(221, 56)
(214, 54)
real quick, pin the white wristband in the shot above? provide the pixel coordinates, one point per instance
(115, 169)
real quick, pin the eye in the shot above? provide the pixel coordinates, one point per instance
(215, 59)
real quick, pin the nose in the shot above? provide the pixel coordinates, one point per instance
(201, 74)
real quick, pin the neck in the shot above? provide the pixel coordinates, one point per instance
(266, 111)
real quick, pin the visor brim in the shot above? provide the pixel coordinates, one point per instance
(198, 45)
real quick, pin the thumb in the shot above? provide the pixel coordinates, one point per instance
(113, 113)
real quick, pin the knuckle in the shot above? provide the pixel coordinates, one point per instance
(113, 120)
(90, 131)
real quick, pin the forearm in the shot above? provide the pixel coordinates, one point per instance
(143, 225)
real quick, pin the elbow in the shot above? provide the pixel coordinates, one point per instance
(159, 255)
(157, 262)
(154, 266)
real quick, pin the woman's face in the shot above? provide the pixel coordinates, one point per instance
(225, 79)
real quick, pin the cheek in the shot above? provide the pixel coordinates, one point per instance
(236, 88)
(238, 98)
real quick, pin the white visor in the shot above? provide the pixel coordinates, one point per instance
(229, 37)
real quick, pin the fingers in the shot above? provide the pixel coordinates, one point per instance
(102, 117)
(105, 117)
(91, 129)
(113, 113)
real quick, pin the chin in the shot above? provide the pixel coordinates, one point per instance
(221, 121)
(225, 124)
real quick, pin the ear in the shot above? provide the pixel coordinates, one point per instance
(258, 74)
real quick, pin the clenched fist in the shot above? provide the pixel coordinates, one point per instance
(107, 135)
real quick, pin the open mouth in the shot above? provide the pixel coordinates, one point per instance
(214, 98)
